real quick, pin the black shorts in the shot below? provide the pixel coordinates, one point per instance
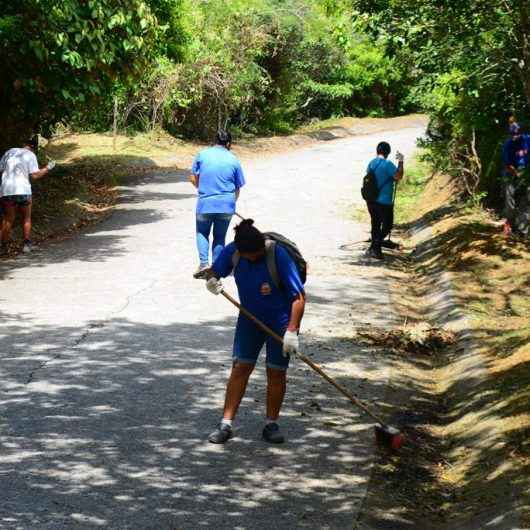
(16, 200)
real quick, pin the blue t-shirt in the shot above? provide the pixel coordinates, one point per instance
(385, 171)
(515, 152)
(220, 174)
(257, 291)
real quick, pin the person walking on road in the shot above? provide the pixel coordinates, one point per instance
(515, 158)
(18, 167)
(218, 177)
(280, 307)
(382, 209)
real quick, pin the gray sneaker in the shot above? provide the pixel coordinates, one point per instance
(272, 434)
(28, 247)
(222, 434)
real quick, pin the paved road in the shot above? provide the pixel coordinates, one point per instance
(114, 362)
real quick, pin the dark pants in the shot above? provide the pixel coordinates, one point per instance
(516, 203)
(382, 217)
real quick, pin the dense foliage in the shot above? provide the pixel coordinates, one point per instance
(468, 67)
(62, 55)
(190, 66)
(256, 66)
(263, 65)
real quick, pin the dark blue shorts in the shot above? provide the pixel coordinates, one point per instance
(17, 200)
(249, 340)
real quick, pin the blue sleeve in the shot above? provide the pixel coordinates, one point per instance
(196, 167)
(222, 266)
(288, 273)
(239, 176)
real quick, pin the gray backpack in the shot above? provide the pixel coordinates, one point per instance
(271, 240)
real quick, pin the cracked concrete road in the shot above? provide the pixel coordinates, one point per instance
(114, 362)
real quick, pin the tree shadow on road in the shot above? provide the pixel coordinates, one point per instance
(145, 199)
(109, 429)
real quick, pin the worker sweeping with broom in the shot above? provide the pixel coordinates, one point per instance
(270, 287)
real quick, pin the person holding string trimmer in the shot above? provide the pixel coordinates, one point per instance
(275, 294)
(382, 177)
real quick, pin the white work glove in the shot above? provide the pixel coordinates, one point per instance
(214, 286)
(400, 157)
(51, 165)
(291, 344)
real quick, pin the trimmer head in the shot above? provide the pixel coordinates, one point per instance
(389, 437)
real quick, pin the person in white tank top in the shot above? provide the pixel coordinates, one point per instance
(18, 167)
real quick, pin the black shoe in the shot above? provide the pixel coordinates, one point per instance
(387, 243)
(272, 434)
(222, 434)
(375, 253)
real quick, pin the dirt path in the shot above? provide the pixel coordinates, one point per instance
(114, 362)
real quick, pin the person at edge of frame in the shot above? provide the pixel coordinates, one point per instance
(515, 159)
(18, 167)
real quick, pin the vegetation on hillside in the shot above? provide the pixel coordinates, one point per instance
(261, 66)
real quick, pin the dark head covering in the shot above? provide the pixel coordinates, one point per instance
(515, 129)
(248, 238)
(33, 142)
(223, 137)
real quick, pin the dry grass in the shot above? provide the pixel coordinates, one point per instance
(488, 425)
(415, 339)
(465, 409)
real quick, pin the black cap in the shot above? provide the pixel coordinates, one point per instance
(223, 137)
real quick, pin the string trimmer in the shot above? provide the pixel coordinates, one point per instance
(385, 435)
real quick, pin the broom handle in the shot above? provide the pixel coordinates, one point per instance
(306, 360)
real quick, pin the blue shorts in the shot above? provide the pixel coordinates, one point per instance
(249, 339)
(17, 200)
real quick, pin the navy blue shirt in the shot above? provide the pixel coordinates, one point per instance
(257, 291)
(220, 174)
(385, 171)
(515, 152)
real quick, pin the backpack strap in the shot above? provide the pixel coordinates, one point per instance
(270, 252)
(270, 256)
(236, 256)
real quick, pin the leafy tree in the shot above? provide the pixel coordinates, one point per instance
(60, 55)
(265, 65)
(468, 63)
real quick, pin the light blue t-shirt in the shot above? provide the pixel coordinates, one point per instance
(257, 291)
(220, 174)
(384, 175)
